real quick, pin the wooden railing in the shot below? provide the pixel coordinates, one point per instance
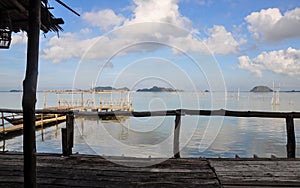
(68, 132)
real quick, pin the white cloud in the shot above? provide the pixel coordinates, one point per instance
(68, 46)
(105, 19)
(271, 26)
(159, 22)
(159, 11)
(285, 62)
(19, 38)
(221, 41)
(85, 31)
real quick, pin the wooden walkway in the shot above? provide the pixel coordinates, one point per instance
(38, 124)
(93, 171)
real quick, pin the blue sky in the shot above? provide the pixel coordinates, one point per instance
(185, 44)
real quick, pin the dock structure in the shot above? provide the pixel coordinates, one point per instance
(75, 170)
(90, 104)
(12, 121)
(95, 171)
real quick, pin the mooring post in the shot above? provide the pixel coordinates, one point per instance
(68, 136)
(176, 151)
(291, 141)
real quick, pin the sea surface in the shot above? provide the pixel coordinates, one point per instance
(200, 136)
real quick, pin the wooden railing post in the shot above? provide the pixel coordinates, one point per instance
(2, 118)
(176, 151)
(68, 136)
(291, 141)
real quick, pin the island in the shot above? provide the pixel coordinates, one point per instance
(261, 89)
(15, 90)
(109, 88)
(158, 89)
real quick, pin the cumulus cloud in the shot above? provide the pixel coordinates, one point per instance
(19, 38)
(154, 21)
(285, 62)
(159, 11)
(271, 26)
(104, 19)
(221, 41)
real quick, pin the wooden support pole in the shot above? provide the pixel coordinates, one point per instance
(65, 148)
(68, 136)
(42, 121)
(45, 100)
(176, 151)
(29, 93)
(3, 126)
(82, 103)
(291, 141)
(58, 99)
(70, 129)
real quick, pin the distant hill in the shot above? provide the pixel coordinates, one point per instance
(15, 90)
(109, 88)
(157, 89)
(261, 89)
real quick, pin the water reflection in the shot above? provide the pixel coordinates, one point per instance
(199, 136)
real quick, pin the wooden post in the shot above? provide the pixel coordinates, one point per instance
(3, 126)
(64, 139)
(45, 100)
(82, 103)
(68, 136)
(176, 151)
(58, 99)
(42, 121)
(100, 104)
(29, 93)
(291, 141)
(70, 129)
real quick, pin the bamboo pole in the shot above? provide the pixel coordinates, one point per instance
(29, 93)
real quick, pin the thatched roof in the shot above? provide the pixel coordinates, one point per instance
(14, 16)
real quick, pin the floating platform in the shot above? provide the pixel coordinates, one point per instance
(95, 171)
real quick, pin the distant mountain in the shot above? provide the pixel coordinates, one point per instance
(109, 88)
(15, 90)
(157, 89)
(261, 89)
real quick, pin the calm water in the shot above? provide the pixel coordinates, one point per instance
(144, 137)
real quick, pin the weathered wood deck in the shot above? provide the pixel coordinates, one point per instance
(95, 171)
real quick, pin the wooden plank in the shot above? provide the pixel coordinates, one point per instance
(275, 172)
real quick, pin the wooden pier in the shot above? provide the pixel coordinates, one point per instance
(55, 171)
(12, 122)
(89, 104)
(75, 170)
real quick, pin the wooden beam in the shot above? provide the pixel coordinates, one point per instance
(29, 93)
